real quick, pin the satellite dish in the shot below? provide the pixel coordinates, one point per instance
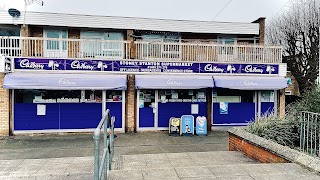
(14, 12)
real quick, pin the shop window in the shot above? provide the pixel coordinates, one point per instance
(47, 96)
(92, 96)
(267, 96)
(57, 96)
(92, 46)
(114, 96)
(232, 95)
(183, 95)
(146, 98)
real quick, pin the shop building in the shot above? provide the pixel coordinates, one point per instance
(67, 68)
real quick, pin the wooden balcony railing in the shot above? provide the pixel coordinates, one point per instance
(208, 52)
(140, 50)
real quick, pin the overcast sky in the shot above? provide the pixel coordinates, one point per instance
(236, 11)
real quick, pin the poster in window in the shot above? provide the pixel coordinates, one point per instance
(223, 108)
(141, 103)
(201, 95)
(214, 93)
(271, 96)
(163, 98)
(174, 96)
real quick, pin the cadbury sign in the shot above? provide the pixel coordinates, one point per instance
(143, 66)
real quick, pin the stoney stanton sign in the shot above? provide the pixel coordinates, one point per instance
(143, 66)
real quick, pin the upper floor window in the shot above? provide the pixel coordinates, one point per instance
(107, 44)
(161, 46)
(9, 31)
(227, 40)
(56, 44)
(10, 47)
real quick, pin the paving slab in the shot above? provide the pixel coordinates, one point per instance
(167, 173)
(227, 170)
(126, 174)
(192, 172)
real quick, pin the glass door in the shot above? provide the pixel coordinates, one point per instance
(56, 48)
(147, 109)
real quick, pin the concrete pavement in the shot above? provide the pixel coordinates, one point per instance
(81, 145)
(137, 156)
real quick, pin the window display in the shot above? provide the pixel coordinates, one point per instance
(267, 96)
(65, 96)
(183, 95)
(232, 95)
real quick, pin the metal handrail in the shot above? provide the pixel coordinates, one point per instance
(102, 166)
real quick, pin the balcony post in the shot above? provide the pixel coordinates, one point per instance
(24, 44)
(131, 48)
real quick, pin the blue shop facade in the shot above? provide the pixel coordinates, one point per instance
(70, 95)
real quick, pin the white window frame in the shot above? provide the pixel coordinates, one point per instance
(103, 45)
(163, 53)
(60, 52)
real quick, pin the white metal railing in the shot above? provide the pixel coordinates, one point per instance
(64, 48)
(310, 133)
(207, 52)
(143, 50)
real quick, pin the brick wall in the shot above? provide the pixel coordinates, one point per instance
(34, 47)
(130, 125)
(282, 103)
(255, 152)
(262, 26)
(74, 46)
(4, 108)
(26, 46)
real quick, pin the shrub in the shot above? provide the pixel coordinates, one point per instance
(285, 130)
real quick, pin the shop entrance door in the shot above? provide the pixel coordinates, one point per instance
(147, 109)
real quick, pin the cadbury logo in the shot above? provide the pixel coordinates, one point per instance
(174, 82)
(211, 68)
(64, 81)
(251, 69)
(25, 63)
(83, 65)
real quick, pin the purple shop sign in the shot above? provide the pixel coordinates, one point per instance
(39, 64)
(219, 68)
(259, 69)
(151, 66)
(89, 65)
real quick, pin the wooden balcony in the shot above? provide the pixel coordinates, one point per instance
(140, 50)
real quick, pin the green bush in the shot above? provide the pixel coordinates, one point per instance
(285, 130)
(270, 126)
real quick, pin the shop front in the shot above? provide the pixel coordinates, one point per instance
(61, 102)
(161, 97)
(239, 100)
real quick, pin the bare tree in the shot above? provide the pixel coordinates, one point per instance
(297, 30)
